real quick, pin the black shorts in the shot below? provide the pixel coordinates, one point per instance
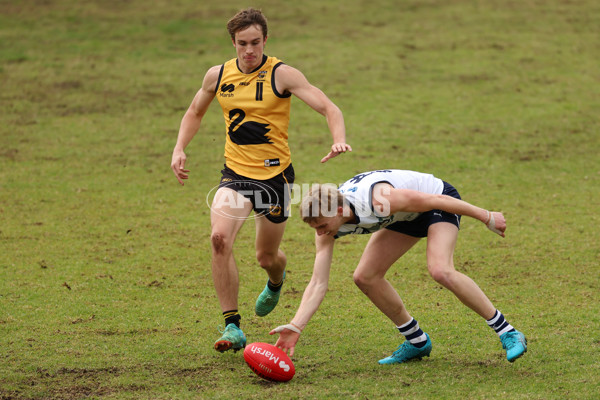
(269, 197)
(418, 227)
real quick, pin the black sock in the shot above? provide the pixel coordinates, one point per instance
(232, 317)
(274, 287)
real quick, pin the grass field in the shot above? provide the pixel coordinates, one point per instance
(105, 282)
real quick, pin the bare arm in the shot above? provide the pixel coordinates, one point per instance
(291, 80)
(311, 299)
(191, 121)
(388, 200)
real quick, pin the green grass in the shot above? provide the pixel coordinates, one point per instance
(105, 284)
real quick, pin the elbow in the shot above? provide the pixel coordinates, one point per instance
(334, 112)
(321, 287)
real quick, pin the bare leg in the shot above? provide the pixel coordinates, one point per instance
(228, 213)
(268, 254)
(441, 240)
(384, 248)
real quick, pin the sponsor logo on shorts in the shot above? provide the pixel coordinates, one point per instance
(275, 210)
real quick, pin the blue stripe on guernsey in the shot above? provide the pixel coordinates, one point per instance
(413, 333)
(499, 324)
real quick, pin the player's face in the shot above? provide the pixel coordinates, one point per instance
(249, 45)
(327, 225)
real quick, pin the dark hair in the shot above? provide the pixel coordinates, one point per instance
(246, 18)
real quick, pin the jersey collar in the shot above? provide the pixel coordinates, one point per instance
(264, 60)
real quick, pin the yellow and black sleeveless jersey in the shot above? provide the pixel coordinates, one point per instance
(257, 117)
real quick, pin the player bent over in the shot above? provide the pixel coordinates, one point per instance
(398, 207)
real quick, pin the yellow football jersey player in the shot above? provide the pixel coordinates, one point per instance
(257, 117)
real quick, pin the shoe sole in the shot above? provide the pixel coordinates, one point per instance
(263, 315)
(410, 359)
(224, 345)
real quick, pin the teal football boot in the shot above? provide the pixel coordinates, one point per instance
(233, 338)
(515, 344)
(407, 351)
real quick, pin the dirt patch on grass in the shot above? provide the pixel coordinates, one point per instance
(70, 383)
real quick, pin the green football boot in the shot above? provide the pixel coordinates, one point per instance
(267, 300)
(233, 338)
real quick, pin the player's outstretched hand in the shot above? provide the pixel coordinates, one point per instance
(288, 337)
(497, 223)
(336, 149)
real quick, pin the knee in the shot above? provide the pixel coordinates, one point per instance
(267, 259)
(361, 280)
(220, 243)
(442, 275)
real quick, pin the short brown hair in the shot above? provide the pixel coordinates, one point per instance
(321, 200)
(245, 18)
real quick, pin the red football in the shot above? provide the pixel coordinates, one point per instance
(269, 362)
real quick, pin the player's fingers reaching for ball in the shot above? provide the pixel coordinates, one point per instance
(289, 350)
(288, 337)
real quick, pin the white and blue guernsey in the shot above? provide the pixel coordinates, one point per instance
(358, 191)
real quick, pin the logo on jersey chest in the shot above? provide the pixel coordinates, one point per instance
(227, 90)
(244, 132)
